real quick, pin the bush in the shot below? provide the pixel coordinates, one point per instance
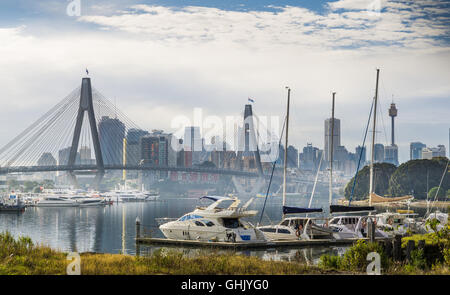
(355, 259)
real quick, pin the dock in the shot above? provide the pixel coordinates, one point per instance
(249, 245)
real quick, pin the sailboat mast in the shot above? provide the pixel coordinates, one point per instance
(286, 148)
(373, 140)
(331, 151)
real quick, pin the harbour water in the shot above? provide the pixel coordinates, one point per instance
(111, 229)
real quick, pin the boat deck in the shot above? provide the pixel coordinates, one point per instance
(247, 245)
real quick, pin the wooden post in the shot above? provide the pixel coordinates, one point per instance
(409, 248)
(397, 251)
(421, 244)
(388, 248)
(138, 228)
(371, 230)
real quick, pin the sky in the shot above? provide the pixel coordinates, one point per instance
(160, 60)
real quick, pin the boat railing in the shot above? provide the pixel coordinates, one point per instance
(163, 220)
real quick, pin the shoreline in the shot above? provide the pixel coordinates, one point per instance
(416, 204)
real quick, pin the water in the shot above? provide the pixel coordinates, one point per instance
(111, 229)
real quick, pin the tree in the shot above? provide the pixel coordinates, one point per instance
(433, 191)
(382, 174)
(418, 176)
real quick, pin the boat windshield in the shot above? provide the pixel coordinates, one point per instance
(231, 222)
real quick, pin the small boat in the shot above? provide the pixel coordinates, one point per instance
(219, 222)
(12, 204)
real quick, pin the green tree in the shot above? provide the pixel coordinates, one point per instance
(382, 174)
(433, 191)
(418, 176)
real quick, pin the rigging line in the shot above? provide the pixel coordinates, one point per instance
(48, 136)
(25, 140)
(38, 121)
(273, 169)
(38, 146)
(33, 138)
(361, 152)
(11, 149)
(440, 183)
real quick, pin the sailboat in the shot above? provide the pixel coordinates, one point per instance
(295, 228)
(354, 226)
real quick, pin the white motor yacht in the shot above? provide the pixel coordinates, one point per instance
(220, 221)
(394, 223)
(56, 201)
(85, 201)
(295, 228)
(353, 227)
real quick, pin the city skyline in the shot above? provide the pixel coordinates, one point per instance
(155, 72)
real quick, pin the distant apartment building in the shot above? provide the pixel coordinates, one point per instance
(379, 153)
(292, 157)
(429, 153)
(391, 154)
(309, 158)
(111, 132)
(415, 150)
(336, 137)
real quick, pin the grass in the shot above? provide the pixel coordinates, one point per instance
(22, 257)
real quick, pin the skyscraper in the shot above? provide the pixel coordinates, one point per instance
(415, 150)
(133, 145)
(111, 133)
(193, 145)
(379, 153)
(336, 137)
(292, 157)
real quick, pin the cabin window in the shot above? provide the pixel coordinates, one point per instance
(198, 223)
(209, 223)
(286, 223)
(231, 222)
(268, 230)
(334, 221)
(283, 231)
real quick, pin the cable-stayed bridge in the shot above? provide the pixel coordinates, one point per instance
(85, 120)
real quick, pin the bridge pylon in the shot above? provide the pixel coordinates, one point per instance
(249, 144)
(86, 105)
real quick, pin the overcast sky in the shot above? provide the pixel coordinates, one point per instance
(159, 60)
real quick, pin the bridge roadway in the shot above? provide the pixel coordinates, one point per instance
(32, 169)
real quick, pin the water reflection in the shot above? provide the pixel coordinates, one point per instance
(111, 229)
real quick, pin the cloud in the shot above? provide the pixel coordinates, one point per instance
(159, 62)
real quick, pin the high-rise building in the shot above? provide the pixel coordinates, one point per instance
(391, 154)
(336, 137)
(193, 145)
(85, 156)
(358, 151)
(133, 145)
(429, 153)
(309, 159)
(63, 157)
(292, 157)
(150, 150)
(111, 133)
(415, 150)
(379, 153)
